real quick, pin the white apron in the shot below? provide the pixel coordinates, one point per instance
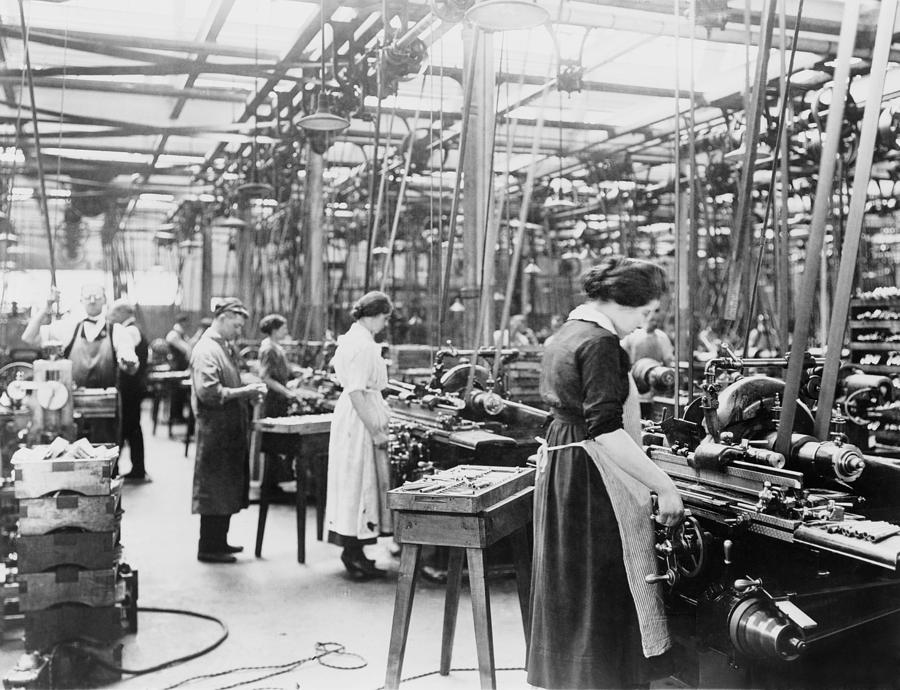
(358, 473)
(633, 507)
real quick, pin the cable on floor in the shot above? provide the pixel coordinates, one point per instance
(452, 670)
(323, 649)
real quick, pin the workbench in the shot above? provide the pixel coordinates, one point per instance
(467, 508)
(309, 453)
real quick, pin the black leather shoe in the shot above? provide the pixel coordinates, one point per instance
(215, 557)
(361, 567)
(233, 549)
(138, 478)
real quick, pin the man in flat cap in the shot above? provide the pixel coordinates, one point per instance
(220, 403)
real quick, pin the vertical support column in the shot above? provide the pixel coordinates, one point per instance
(244, 258)
(314, 279)
(685, 287)
(476, 172)
(206, 269)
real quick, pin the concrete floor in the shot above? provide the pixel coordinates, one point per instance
(276, 609)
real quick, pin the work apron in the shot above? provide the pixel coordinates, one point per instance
(633, 508)
(93, 361)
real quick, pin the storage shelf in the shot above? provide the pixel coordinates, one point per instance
(875, 346)
(876, 323)
(878, 369)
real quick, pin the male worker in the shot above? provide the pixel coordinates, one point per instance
(132, 388)
(97, 349)
(220, 401)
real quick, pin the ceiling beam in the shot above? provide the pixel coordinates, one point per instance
(155, 69)
(292, 56)
(125, 88)
(131, 41)
(599, 86)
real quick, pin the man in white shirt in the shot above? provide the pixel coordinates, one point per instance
(97, 349)
(649, 342)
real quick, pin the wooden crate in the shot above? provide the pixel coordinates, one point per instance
(89, 550)
(488, 486)
(50, 513)
(69, 585)
(87, 476)
(45, 628)
(466, 530)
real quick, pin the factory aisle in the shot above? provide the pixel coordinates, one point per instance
(276, 609)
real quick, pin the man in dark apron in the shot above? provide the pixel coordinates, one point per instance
(97, 349)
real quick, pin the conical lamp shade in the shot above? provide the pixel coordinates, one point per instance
(507, 15)
(323, 120)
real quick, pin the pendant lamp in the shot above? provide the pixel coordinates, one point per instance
(507, 15)
(323, 120)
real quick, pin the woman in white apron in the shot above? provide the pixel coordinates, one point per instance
(595, 622)
(356, 509)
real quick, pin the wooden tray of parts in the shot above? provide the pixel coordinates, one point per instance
(303, 425)
(463, 489)
(37, 477)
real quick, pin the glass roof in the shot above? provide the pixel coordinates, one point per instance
(152, 93)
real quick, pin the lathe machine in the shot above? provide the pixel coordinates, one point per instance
(781, 554)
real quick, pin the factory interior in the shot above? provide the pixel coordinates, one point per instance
(299, 276)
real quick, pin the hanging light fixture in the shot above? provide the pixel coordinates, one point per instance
(507, 15)
(227, 222)
(323, 120)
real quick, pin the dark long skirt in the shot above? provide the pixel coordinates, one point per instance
(584, 628)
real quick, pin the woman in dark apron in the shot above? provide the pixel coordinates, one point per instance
(595, 622)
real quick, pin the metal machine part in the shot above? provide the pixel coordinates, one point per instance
(758, 630)
(652, 375)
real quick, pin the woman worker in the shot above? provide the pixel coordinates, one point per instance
(356, 511)
(595, 622)
(275, 372)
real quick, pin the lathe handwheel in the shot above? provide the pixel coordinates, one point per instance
(689, 547)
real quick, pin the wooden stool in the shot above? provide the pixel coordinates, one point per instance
(468, 535)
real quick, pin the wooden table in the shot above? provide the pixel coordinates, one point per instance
(467, 535)
(308, 431)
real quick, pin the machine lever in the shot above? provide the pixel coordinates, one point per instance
(746, 584)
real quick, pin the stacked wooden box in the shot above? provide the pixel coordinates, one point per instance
(71, 583)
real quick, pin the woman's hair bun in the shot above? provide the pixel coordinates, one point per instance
(629, 282)
(371, 304)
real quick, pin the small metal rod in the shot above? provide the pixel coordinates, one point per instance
(45, 212)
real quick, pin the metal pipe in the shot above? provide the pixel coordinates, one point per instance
(454, 205)
(817, 227)
(861, 175)
(45, 212)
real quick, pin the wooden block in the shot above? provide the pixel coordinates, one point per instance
(69, 585)
(91, 513)
(88, 550)
(45, 628)
(87, 476)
